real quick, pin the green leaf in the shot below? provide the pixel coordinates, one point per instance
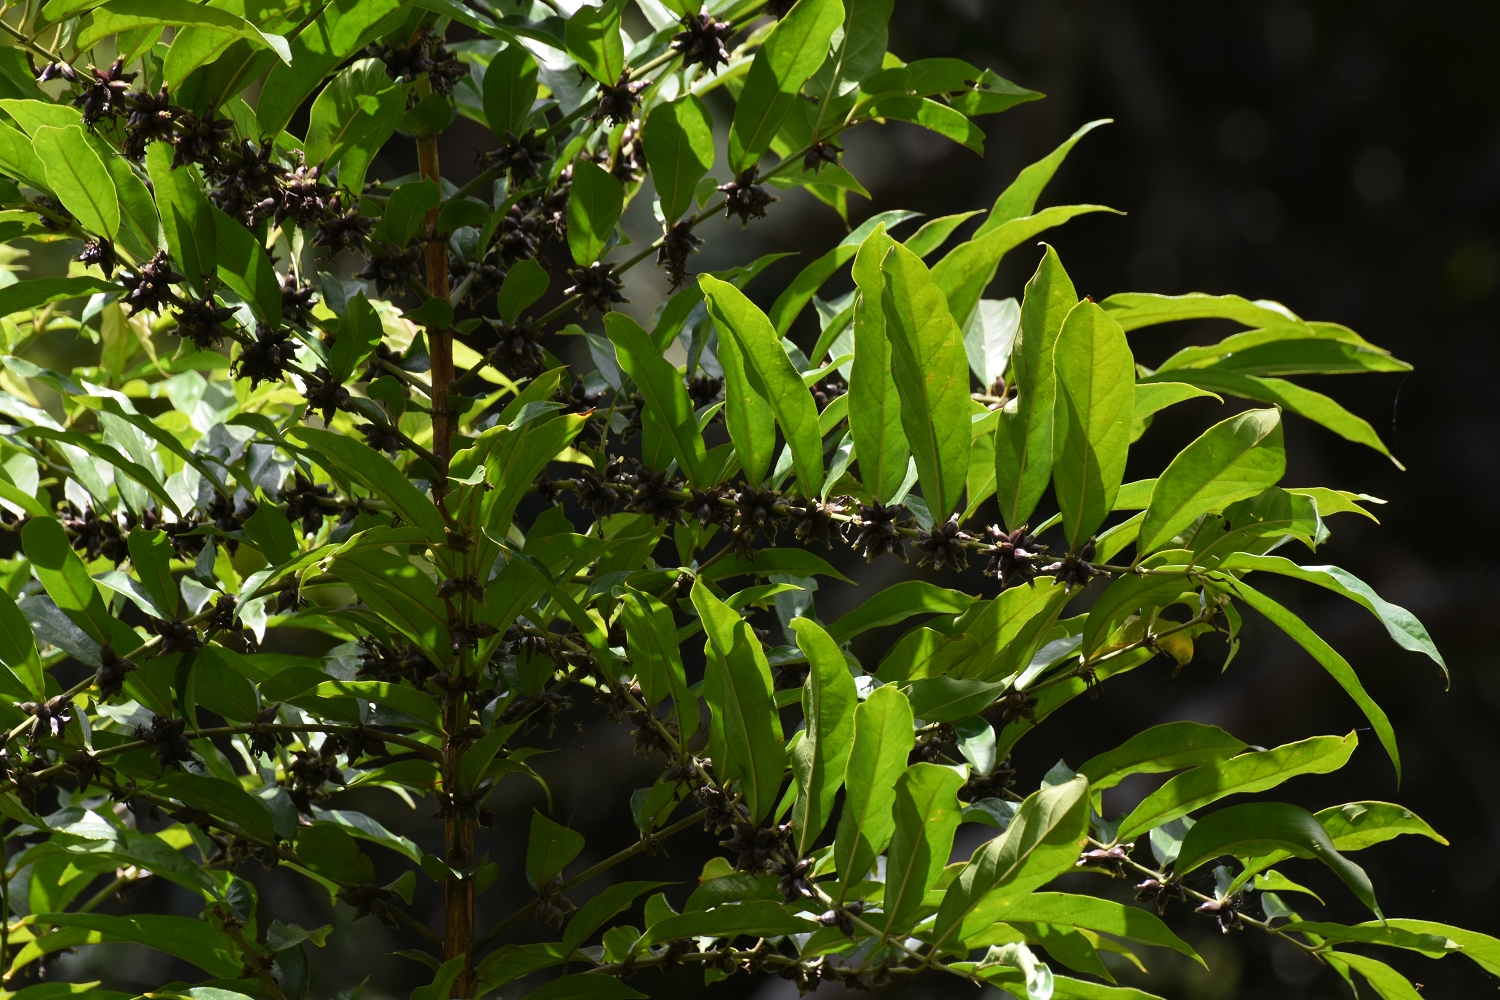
(585, 986)
(327, 850)
(1091, 435)
(26, 295)
(1481, 948)
(940, 118)
(407, 208)
(593, 914)
(1402, 625)
(763, 562)
(1232, 460)
(18, 158)
(967, 270)
(745, 729)
(594, 206)
(874, 402)
(1430, 945)
(926, 815)
(1019, 198)
(358, 333)
(68, 583)
(747, 415)
(18, 648)
(366, 465)
(1249, 772)
(790, 54)
(829, 701)
(948, 699)
(192, 237)
(932, 378)
(651, 636)
(1103, 915)
(877, 758)
(1064, 988)
(188, 938)
(592, 36)
(661, 385)
(79, 179)
(1168, 747)
(752, 918)
(1357, 825)
(353, 117)
(1134, 310)
(1304, 402)
(1131, 593)
(549, 850)
(1151, 397)
(771, 373)
(118, 16)
(242, 264)
(525, 282)
(1260, 827)
(1042, 842)
(510, 90)
(272, 533)
(401, 594)
(400, 697)
(679, 139)
(340, 30)
(223, 801)
(1338, 668)
(858, 50)
(897, 603)
(1386, 981)
(795, 297)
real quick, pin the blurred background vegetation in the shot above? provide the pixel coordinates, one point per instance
(1341, 157)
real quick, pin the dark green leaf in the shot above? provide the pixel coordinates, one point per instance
(68, 583)
(593, 914)
(745, 732)
(223, 801)
(897, 603)
(366, 465)
(509, 90)
(679, 139)
(661, 385)
(585, 986)
(1260, 827)
(192, 237)
(18, 647)
(752, 918)
(1481, 948)
(341, 29)
(358, 333)
(550, 847)
(327, 850)
(1105, 915)
(594, 205)
(525, 282)
(948, 699)
(244, 267)
(1430, 945)
(407, 208)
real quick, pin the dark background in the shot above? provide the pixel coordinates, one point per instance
(1342, 158)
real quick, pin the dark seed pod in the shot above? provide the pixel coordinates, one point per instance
(745, 198)
(702, 41)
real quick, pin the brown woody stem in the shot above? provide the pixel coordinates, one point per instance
(439, 342)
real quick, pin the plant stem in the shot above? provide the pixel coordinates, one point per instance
(458, 852)
(439, 342)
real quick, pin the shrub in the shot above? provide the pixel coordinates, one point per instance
(400, 464)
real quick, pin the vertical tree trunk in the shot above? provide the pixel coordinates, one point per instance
(458, 832)
(439, 342)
